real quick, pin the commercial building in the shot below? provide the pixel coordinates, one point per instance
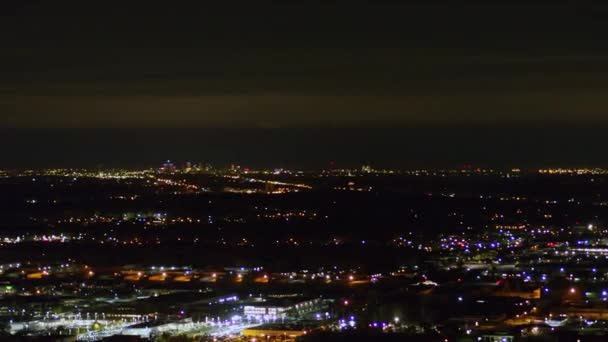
(279, 308)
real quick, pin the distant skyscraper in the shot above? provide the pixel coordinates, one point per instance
(167, 167)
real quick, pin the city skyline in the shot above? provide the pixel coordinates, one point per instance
(311, 147)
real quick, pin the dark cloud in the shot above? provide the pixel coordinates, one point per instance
(404, 83)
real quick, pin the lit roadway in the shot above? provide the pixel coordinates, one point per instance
(213, 329)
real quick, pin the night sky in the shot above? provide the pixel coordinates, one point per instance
(301, 83)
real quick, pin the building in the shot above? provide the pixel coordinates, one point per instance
(279, 308)
(167, 167)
